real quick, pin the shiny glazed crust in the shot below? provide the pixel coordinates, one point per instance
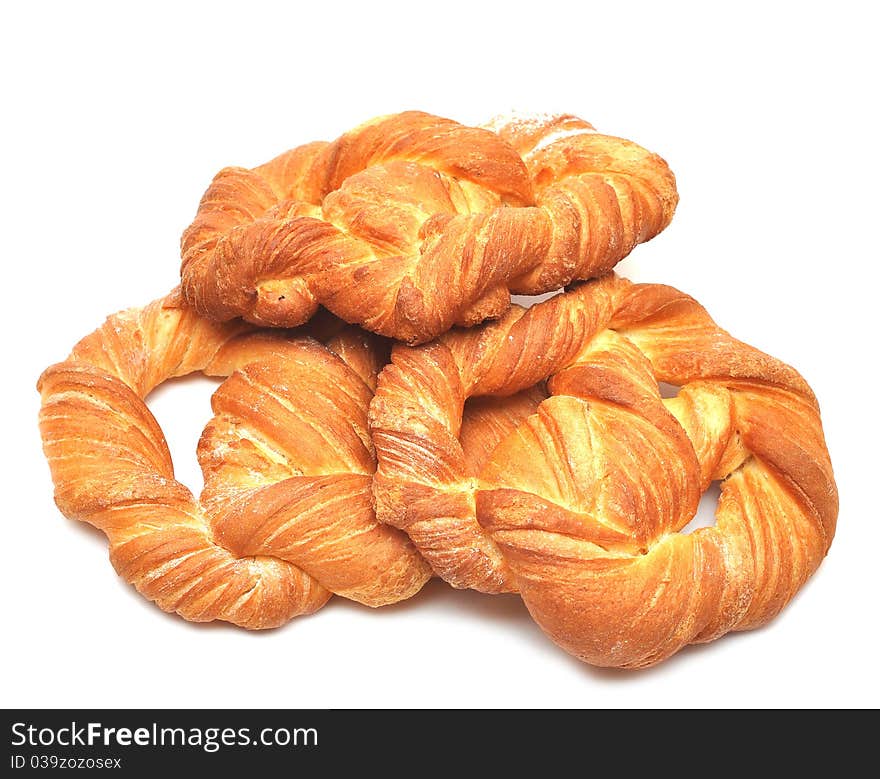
(571, 477)
(411, 223)
(285, 519)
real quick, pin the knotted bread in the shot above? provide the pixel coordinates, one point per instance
(571, 477)
(285, 519)
(412, 223)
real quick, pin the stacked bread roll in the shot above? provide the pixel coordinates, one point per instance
(388, 416)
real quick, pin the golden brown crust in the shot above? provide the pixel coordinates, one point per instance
(412, 223)
(576, 500)
(285, 518)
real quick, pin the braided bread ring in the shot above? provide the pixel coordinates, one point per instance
(575, 500)
(411, 223)
(285, 518)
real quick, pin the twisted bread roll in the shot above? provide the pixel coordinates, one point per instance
(285, 518)
(411, 223)
(573, 490)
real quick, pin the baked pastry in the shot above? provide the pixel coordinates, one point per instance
(285, 518)
(577, 477)
(412, 223)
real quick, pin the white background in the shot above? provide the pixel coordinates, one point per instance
(114, 122)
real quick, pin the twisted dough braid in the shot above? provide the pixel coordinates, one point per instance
(573, 488)
(285, 518)
(411, 223)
